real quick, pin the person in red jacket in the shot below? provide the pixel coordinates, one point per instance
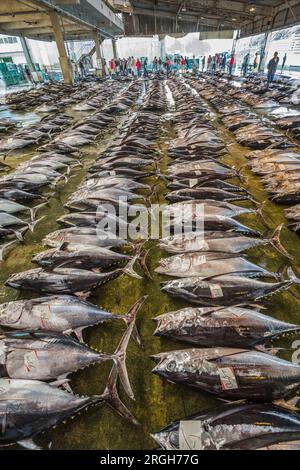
(138, 67)
(231, 63)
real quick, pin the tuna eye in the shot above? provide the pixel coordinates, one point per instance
(171, 366)
(174, 439)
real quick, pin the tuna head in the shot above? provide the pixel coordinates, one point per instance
(29, 407)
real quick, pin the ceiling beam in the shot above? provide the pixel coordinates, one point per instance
(195, 6)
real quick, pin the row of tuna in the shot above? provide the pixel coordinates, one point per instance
(227, 334)
(82, 257)
(275, 157)
(26, 185)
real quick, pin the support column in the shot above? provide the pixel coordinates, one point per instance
(264, 52)
(29, 60)
(27, 54)
(114, 46)
(99, 58)
(63, 57)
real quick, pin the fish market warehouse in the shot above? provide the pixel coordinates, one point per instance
(149, 225)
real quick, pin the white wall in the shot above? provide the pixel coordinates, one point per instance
(44, 53)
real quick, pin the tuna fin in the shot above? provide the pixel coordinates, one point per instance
(120, 354)
(19, 235)
(29, 444)
(62, 382)
(6, 247)
(33, 224)
(292, 276)
(260, 214)
(64, 246)
(128, 317)
(142, 261)
(111, 397)
(275, 240)
(291, 404)
(129, 268)
(78, 333)
(263, 349)
(34, 210)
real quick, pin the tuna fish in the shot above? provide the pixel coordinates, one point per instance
(225, 289)
(78, 256)
(231, 373)
(29, 407)
(58, 313)
(224, 242)
(210, 264)
(65, 280)
(232, 427)
(236, 327)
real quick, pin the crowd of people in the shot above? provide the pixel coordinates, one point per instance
(226, 62)
(141, 66)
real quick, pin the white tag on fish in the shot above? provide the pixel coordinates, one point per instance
(31, 360)
(2, 352)
(216, 291)
(112, 173)
(189, 435)
(193, 182)
(4, 385)
(227, 378)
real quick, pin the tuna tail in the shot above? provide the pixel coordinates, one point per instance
(33, 224)
(6, 247)
(292, 276)
(34, 210)
(129, 268)
(19, 235)
(260, 214)
(275, 241)
(119, 355)
(128, 317)
(239, 174)
(111, 397)
(293, 280)
(142, 261)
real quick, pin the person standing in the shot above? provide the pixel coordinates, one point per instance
(129, 65)
(81, 68)
(272, 67)
(231, 63)
(283, 62)
(224, 60)
(182, 64)
(168, 65)
(145, 67)
(112, 66)
(203, 63)
(159, 64)
(245, 64)
(155, 63)
(209, 61)
(194, 65)
(133, 66)
(255, 62)
(138, 67)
